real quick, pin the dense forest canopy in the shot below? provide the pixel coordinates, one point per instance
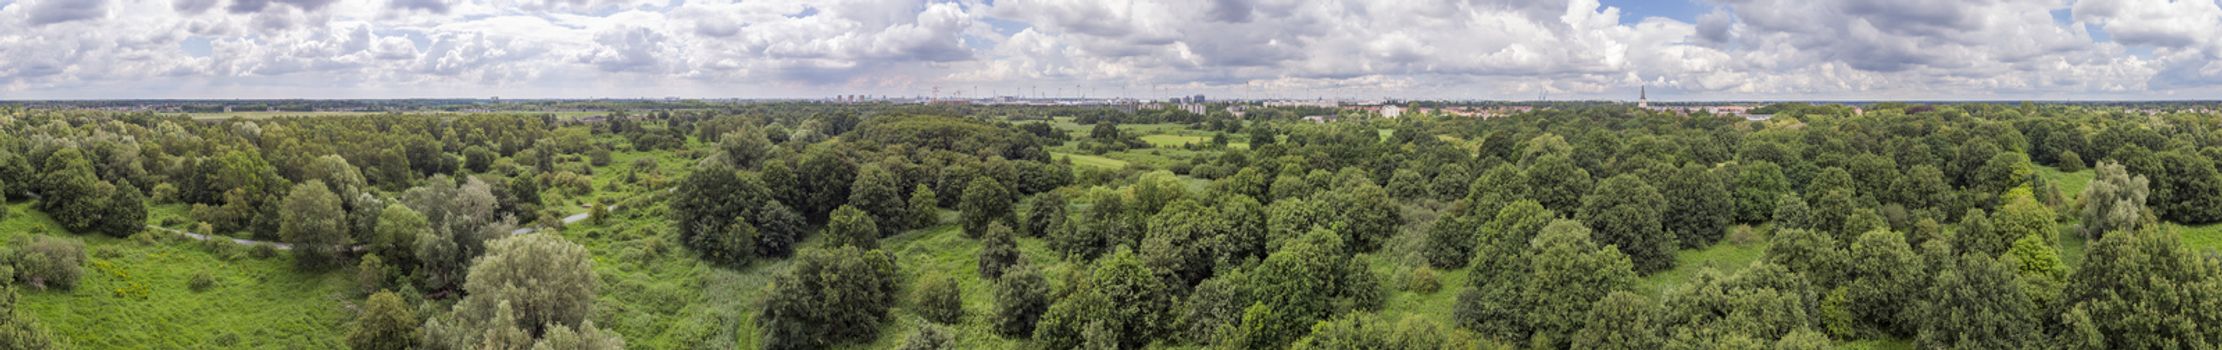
(793, 225)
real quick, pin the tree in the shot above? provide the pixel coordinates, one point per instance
(478, 159)
(1407, 184)
(1021, 295)
(1500, 265)
(2114, 201)
(1181, 239)
(2119, 294)
(939, 300)
(525, 289)
(876, 192)
(1886, 283)
(2071, 162)
(312, 223)
(1977, 304)
(744, 148)
(19, 331)
(925, 210)
(1365, 215)
(985, 202)
(2020, 216)
(1791, 213)
(1702, 203)
(1123, 298)
(1816, 255)
(1303, 282)
(827, 297)
(1495, 188)
(1621, 320)
(778, 229)
(70, 190)
(711, 202)
(823, 177)
(387, 322)
(850, 226)
(124, 212)
(1244, 236)
(998, 251)
(2189, 189)
(397, 232)
(1567, 273)
(1625, 212)
(1044, 215)
(1556, 183)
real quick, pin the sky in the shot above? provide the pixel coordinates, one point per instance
(1401, 49)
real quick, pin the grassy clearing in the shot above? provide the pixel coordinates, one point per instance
(1174, 141)
(1724, 257)
(2203, 238)
(944, 250)
(2070, 184)
(1092, 160)
(134, 294)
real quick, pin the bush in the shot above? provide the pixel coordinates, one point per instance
(1423, 281)
(940, 300)
(201, 282)
(50, 262)
(929, 337)
(262, 251)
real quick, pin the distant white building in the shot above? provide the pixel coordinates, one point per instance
(1193, 108)
(1392, 111)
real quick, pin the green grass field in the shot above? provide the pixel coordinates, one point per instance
(1723, 257)
(2070, 184)
(134, 294)
(1092, 160)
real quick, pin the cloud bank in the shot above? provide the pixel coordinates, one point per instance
(1488, 49)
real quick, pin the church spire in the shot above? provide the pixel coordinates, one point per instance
(1643, 96)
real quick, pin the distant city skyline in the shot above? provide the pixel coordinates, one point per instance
(1683, 50)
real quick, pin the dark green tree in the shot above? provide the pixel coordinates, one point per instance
(1621, 320)
(1978, 304)
(986, 201)
(1626, 212)
(925, 207)
(1021, 295)
(2122, 295)
(877, 191)
(1567, 274)
(850, 226)
(827, 297)
(1556, 183)
(124, 212)
(1759, 185)
(998, 251)
(1816, 255)
(1887, 281)
(1045, 215)
(939, 300)
(387, 322)
(1702, 204)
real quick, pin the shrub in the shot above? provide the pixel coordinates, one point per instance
(50, 262)
(1423, 281)
(929, 337)
(940, 300)
(201, 282)
(262, 251)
